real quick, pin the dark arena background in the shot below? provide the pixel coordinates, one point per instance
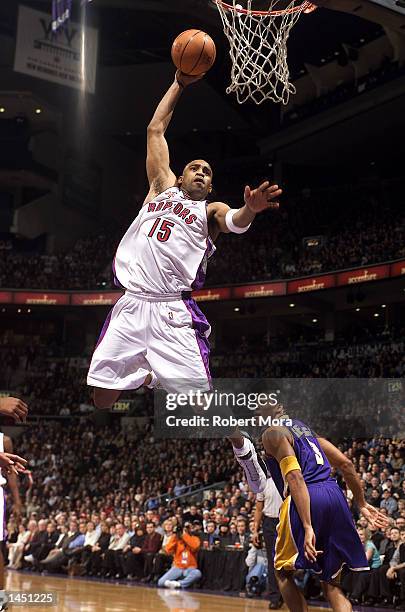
(314, 290)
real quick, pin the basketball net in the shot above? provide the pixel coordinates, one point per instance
(258, 48)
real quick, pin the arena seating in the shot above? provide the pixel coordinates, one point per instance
(362, 230)
(134, 489)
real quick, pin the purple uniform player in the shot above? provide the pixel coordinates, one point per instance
(316, 529)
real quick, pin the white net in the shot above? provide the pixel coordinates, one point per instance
(258, 48)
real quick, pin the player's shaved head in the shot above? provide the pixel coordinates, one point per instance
(196, 179)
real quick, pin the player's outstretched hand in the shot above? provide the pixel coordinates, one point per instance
(13, 407)
(186, 79)
(309, 545)
(12, 464)
(264, 197)
(374, 516)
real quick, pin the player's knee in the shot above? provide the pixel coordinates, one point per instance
(282, 576)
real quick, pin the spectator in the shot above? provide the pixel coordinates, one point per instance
(58, 556)
(388, 502)
(361, 581)
(256, 562)
(150, 546)
(16, 549)
(380, 588)
(184, 572)
(241, 538)
(36, 544)
(98, 550)
(112, 562)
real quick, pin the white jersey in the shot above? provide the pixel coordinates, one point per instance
(166, 248)
(2, 479)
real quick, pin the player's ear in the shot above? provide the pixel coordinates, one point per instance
(180, 180)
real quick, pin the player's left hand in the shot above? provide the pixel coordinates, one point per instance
(309, 545)
(374, 517)
(264, 197)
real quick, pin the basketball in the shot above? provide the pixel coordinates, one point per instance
(193, 52)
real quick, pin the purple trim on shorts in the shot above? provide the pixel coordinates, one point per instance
(200, 326)
(104, 329)
(202, 268)
(116, 281)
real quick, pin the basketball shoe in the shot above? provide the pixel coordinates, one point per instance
(253, 465)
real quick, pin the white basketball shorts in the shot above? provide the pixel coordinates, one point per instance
(166, 334)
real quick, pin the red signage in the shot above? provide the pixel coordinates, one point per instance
(6, 297)
(95, 299)
(305, 285)
(398, 269)
(257, 291)
(212, 295)
(364, 275)
(42, 299)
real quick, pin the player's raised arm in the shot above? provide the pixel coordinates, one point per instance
(160, 176)
(339, 461)
(238, 221)
(277, 442)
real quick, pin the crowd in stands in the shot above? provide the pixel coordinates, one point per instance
(113, 503)
(56, 385)
(387, 71)
(364, 228)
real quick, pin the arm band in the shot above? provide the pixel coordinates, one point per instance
(231, 225)
(288, 464)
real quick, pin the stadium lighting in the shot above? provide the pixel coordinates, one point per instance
(38, 111)
(376, 314)
(314, 320)
(293, 305)
(357, 309)
(2, 109)
(383, 305)
(236, 309)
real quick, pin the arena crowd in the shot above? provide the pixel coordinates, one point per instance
(116, 504)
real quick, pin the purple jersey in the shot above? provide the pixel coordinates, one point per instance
(331, 519)
(313, 462)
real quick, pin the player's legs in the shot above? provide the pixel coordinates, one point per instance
(105, 398)
(334, 594)
(252, 464)
(291, 594)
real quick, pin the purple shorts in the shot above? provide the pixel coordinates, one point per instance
(334, 529)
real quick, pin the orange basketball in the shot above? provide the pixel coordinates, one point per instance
(193, 52)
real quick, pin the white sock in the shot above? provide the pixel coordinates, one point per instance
(246, 448)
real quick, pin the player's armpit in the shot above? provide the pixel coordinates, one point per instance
(216, 213)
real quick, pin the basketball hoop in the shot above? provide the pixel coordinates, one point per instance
(258, 47)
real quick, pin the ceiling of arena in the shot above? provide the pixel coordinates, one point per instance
(137, 34)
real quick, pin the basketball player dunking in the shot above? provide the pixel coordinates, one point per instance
(156, 332)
